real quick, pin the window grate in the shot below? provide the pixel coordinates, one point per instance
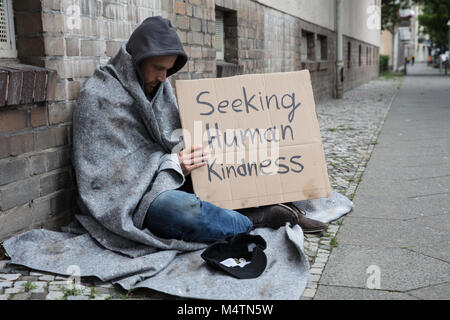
(307, 46)
(321, 48)
(220, 48)
(3, 22)
(7, 38)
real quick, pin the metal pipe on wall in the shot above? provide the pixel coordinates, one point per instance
(339, 49)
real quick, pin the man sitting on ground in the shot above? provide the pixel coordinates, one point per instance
(124, 164)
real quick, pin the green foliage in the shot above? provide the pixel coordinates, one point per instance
(129, 294)
(384, 63)
(434, 18)
(70, 291)
(389, 13)
(92, 293)
(333, 242)
(28, 286)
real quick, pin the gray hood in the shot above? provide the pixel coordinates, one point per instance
(156, 37)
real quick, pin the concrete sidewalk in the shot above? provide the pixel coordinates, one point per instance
(395, 243)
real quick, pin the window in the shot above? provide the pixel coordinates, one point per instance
(7, 38)
(304, 47)
(349, 54)
(220, 36)
(227, 43)
(367, 55)
(227, 39)
(321, 48)
(359, 57)
(374, 56)
(307, 46)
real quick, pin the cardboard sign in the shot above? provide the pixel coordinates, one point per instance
(263, 138)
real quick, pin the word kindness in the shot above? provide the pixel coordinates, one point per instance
(279, 165)
(249, 103)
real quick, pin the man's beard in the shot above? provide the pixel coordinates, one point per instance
(151, 89)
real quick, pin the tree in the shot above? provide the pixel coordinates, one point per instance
(390, 13)
(434, 18)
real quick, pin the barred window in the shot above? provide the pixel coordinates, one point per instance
(307, 43)
(220, 46)
(7, 37)
(349, 54)
(359, 56)
(321, 48)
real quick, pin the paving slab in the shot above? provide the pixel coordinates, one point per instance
(375, 207)
(21, 296)
(435, 249)
(407, 154)
(343, 293)
(402, 189)
(438, 292)
(10, 276)
(54, 295)
(38, 296)
(402, 172)
(77, 298)
(439, 221)
(389, 233)
(400, 270)
(6, 284)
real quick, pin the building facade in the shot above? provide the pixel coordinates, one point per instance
(51, 47)
(407, 41)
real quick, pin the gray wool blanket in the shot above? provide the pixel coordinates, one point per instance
(123, 159)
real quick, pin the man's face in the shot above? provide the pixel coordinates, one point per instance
(154, 70)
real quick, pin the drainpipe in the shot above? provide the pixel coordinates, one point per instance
(339, 52)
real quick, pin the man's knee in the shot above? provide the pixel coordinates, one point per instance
(178, 205)
(177, 201)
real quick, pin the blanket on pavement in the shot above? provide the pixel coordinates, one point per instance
(123, 159)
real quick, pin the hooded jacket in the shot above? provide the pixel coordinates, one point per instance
(155, 37)
(123, 144)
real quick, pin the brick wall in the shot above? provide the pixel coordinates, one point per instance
(359, 70)
(36, 188)
(72, 37)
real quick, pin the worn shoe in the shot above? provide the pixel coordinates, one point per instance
(273, 216)
(308, 225)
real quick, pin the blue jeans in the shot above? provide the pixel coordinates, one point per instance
(176, 214)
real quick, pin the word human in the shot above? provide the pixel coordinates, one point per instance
(249, 104)
(238, 137)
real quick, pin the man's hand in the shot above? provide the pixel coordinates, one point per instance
(191, 159)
